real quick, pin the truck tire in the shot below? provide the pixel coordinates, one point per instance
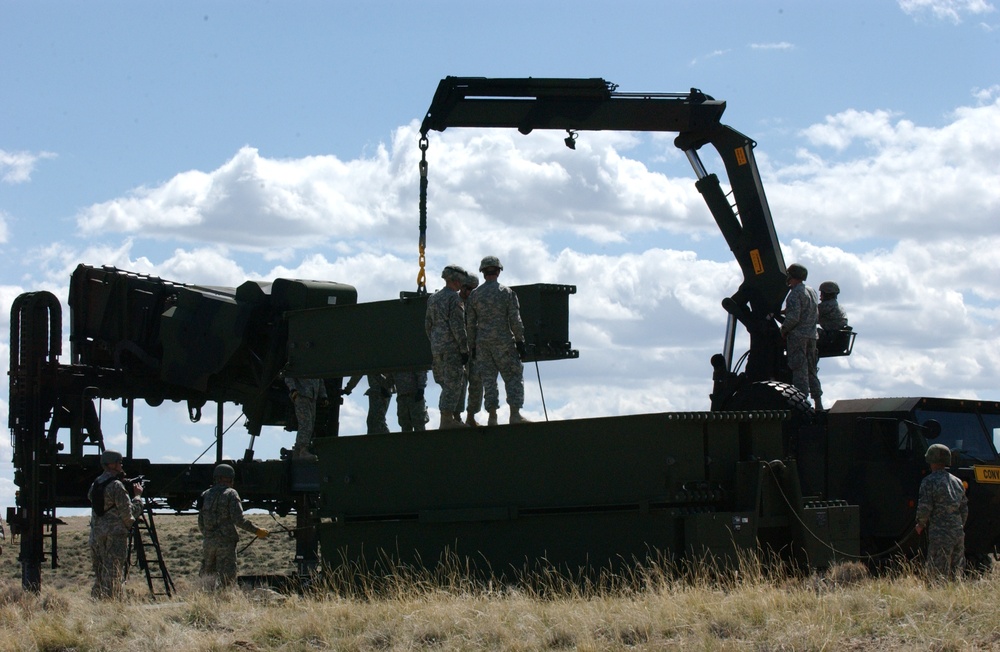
(772, 395)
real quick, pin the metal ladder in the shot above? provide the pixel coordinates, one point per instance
(143, 539)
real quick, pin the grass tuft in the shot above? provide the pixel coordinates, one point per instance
(756, 601)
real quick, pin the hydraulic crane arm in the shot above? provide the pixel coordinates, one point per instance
(593, 104)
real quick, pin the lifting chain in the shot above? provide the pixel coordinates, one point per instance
(421, 259)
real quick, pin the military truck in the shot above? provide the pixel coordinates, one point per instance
(760, 469)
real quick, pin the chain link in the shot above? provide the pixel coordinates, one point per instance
(422, 245)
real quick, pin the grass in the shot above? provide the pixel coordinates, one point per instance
(650, 608)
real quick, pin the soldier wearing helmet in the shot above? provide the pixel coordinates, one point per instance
(497, 336)
(114, 510)
(220, 512)
(942, 510)
(832, 317)
(475, 382)
(444, 323)
(801, 315)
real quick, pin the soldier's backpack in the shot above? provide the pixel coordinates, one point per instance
(97, 495)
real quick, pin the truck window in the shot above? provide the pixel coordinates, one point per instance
(963, 431)
(992, 422)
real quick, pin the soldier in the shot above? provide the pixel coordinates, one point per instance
(114, 511)
(832, 318)
(305, 393)
(497, 337)
(475, 382)
(411, 408)
(942, 510)
(444, 324)
(220, 512)
(799, 330)
(380, 389)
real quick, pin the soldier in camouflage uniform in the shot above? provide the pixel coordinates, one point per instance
(305, 393)
(220, 512)
(113, 513)
(942, 510)
(832, 318)
(380, 388)
(411, 408)
(799, 330)
(475, 382)
(444, 324)
(497, 334)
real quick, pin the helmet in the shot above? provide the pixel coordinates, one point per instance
(490, 261)
(454, 273)
(829, 287)
(224, 471)
(938, 454)
(471, 281)
(797, 271)
(110, 457)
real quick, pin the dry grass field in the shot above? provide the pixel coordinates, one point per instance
(649, 610)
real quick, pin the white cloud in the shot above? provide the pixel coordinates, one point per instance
(781, 45)
(16, 167)
(892, 179)
(902, 215)
(952, 10)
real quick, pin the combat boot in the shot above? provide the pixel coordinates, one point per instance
(819, 404)
(470, 420)
(450, 420)
(492, 420)
(515, 416)
(301, 452)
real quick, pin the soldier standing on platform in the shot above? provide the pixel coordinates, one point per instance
(411, 408)
(496, 334)
(475, 382)
(444, 324)
(306, 394)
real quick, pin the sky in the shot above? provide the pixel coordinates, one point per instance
(215, 142)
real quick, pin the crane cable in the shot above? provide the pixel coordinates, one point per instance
(422, 244)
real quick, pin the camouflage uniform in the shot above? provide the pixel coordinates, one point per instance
(309, 392)
(220, 512)
(474, 382)
(831, 316)
(799, 329)
(832, 319)
(943, 509)
(411, 408)
(379, 392)
(109, 534)
(494, 326)
(444, 324)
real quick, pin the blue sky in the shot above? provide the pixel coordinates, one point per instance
(219, 141)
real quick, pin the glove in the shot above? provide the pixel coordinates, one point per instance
(262, 533)
(520, 349)
(465, 358)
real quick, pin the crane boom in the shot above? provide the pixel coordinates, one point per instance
(742, 215)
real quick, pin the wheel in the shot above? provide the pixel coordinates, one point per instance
(775, 395)
(772, 395)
